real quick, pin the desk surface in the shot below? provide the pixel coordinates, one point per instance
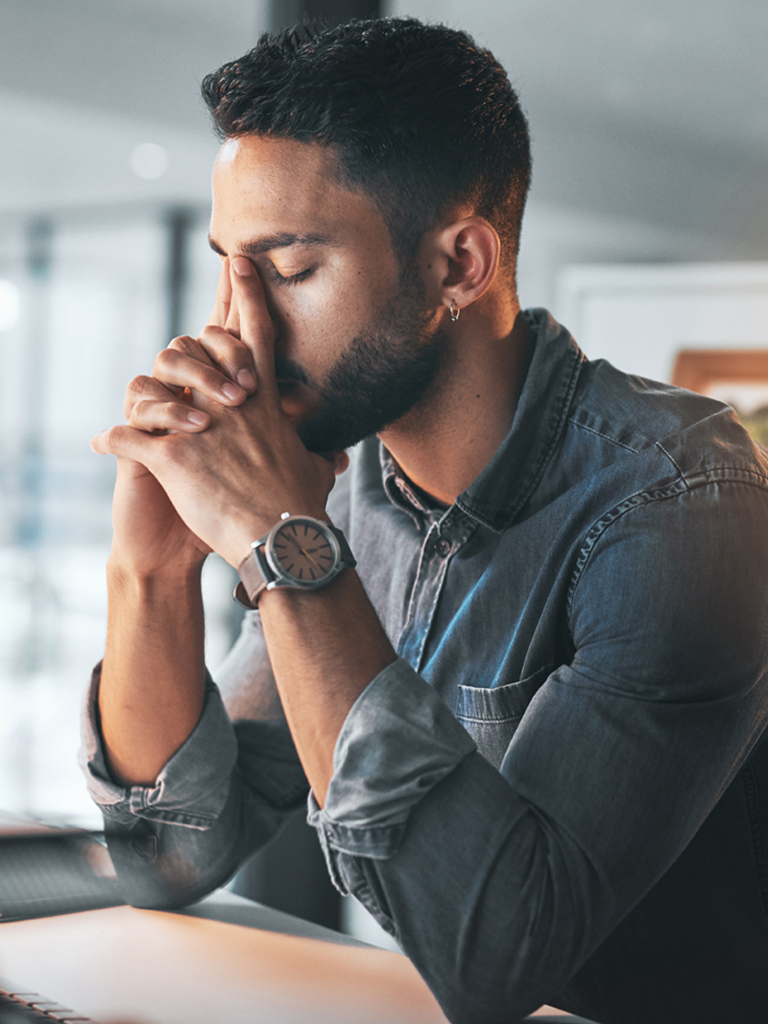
(227, 960)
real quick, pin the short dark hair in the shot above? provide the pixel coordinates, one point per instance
(420, 116)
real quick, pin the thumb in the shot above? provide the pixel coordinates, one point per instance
(340, 462)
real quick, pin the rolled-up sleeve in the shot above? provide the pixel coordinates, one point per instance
(377, 783)
(222, 795)
(193, 786)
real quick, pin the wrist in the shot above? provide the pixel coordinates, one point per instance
(172, 578)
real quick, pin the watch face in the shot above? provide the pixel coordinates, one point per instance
(303, 550)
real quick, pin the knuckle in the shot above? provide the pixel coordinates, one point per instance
(114, 436)
(140, 411)
(174, 413)
(137, 388)
(162, 359)
(141, 385)
(182, 344)
(150, 414)
(208, 334)
(220, 340)
(165, 362)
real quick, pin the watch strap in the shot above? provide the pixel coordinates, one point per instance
(252, 582)
(347, 559)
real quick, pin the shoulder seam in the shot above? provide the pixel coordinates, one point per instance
(605, 437)
(721, 474)
(664, 451)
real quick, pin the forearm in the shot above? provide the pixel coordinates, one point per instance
(325, 647)
(153, 677)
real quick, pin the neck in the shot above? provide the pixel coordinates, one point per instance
(444, 442)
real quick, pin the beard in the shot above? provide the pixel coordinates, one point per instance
(386, 370)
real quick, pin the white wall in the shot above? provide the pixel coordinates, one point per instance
(638, 317)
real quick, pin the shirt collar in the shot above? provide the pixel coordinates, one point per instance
(498, 494)
(401, 491)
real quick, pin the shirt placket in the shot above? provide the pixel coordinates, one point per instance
(445, 536)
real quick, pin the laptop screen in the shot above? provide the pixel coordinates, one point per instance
(46, 870)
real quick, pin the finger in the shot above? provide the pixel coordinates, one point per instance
(340, 463)
(215, 347)
(254, 323)
(146, 388)
(124, 441)
(223, 297)
(150, 416)
(230, 354)
(182, 366)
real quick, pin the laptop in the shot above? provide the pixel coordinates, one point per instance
(44, 871)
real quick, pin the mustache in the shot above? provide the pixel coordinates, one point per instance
(287, 369)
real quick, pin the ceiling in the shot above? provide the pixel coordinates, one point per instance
(649, 110)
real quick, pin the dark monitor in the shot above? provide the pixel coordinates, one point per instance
(46, 870)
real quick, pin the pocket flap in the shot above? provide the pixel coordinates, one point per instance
(499, 703)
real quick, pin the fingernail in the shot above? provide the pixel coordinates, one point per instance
(231, 391)
(242, 266)
(197, 417)
(246, 379)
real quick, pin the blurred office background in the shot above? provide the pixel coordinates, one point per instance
(650, 129)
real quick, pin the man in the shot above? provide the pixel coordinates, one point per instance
(529, 719)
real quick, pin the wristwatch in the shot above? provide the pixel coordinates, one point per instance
(299, 552)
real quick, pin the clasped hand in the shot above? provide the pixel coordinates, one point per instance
(208, 459)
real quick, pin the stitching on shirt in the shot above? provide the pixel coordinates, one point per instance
(661, 448)
(758, 845)
(490, 721)
(605, 437)
(721, 474)
(199, 821)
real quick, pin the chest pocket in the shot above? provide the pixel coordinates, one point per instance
(492, 714)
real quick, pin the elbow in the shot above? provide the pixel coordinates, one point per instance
(492, 1000)
(499, 971)
(156, 869)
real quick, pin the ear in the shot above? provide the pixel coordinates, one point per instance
(471, 247)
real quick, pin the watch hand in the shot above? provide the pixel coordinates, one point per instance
(304, 552)
(297, 542)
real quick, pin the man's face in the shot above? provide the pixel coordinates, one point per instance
(356, 347)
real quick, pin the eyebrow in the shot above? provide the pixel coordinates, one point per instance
(284, 240)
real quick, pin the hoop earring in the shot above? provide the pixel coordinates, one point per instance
(455, 311)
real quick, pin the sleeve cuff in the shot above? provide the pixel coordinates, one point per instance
(398, 741)
(190, 790)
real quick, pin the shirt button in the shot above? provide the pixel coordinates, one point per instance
(443, 548)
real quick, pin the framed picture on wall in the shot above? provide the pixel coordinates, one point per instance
(738, 377)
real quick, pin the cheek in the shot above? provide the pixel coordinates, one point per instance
(323, 308)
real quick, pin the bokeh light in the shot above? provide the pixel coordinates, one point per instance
(149, 161)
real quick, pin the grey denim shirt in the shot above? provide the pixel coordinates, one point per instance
(583, 652)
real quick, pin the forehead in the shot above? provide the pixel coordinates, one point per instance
(282, 186)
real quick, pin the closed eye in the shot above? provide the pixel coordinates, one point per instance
(292, 278)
